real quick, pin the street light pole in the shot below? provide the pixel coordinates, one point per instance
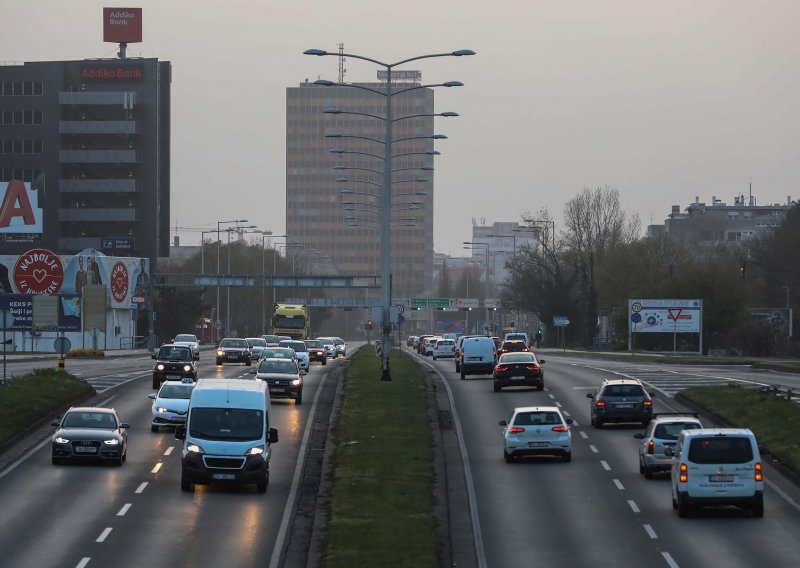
(472, 245)
(219, 244)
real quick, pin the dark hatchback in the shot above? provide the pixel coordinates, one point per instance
(621, 400)
(518, 370)
(176, 361)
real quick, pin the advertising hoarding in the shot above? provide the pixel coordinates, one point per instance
(19, 209)
(122, 25)
(21, 318)
(665, 316)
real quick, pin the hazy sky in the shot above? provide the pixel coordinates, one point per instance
(664, 101)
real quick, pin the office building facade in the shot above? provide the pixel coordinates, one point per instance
(90, 142)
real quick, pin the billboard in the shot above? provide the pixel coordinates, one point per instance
(21, 317)
(116, 72)
(19, 208)
(122, 25)
(40, 271)
(665, 316)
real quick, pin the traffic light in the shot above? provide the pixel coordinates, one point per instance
(369, 325)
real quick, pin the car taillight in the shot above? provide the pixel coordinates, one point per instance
(516, 430)
(560, 429)
(436, 348)
(600, 403)
(651, 446)
(501, 368)
(532, 367)
(648, 403)
(684, 473)
(759, 472)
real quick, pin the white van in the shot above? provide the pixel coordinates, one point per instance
(717, 466)
(518, 336)
(227, 434)
(477, 357)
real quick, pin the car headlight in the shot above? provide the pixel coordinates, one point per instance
(194, 448)
(112, 442)
(296, 382)
(187, 368)
(255, 451)
(159, 367)
(220, 352)
(61, 440)
(162, 409)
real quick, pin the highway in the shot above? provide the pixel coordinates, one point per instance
(136, 515)
(598, 510)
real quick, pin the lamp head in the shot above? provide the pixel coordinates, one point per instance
(457, 53)
(324, 83)
(447, 84)
(322, 52)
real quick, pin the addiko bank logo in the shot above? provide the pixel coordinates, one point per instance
(98, 72)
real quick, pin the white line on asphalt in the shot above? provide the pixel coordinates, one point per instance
(575, 422)
(124, 510)
(780, 492)
(594, 450)
(605, 465)
(670, 562)
(650, 532)
(619, 485)
(634, 507)
(558, 404)
(104, 534)
(565, 413)
(584, 435)
(552, 396)
(84, 561)
(140, 489)
(169, 450)
(156, 468)
(14, 465)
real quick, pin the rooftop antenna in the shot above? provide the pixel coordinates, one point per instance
(342, 70)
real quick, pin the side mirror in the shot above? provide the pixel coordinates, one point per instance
(124, 425)
(180, 432)
(639, 436)
(541, 361)
(252, 371)
(55, 423)
(652, 394)
(152, 396)
(502, 423)
(154, 356)
(273, 436)
(570, 421)
(589, 395)
(668, 451)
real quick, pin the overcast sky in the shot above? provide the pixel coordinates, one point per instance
(664, 101)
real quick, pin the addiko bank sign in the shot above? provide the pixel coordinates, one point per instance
(116, 72)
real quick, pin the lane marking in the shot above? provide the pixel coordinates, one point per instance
(156, 468)
(634, 507)
(594, 450)
(566, 413)
(619, 485)
(558, 404)
(551, 395)
(605, 465)
(169, 450)
(650, 532)
(141, 487)
(584, 435)
(84, 561)
(104, 534)
(670, 562)
(124, 510)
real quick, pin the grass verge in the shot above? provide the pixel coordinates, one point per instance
(381, 508)
(774, 421)
(32, 397)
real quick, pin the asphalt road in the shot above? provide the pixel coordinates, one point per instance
(136, 515)
(598, 510)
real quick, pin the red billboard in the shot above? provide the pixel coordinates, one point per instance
(122, 25)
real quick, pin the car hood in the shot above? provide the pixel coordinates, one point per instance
(176, 404)
(187, 343)
(85, 434)
(281, 376)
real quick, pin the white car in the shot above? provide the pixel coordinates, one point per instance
(257, 346)
(190, 341)
(444, 348)
(330, 346)
(341, 346)
(430, 345)
(300, 351)
(537, 430)
(662, 433)
(171, 403)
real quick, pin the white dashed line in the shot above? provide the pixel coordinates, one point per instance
(584, 435)
(84, 561)
(552, 396)
(169, 450)
(670, 561)
(574, 422)
(558, 404)
(124, 510)
(157, 467)
(140, 489)
(634, 507)
(565, 413)
(650, 532)
(619, 485)
(104, 535)
(594, 450)
(605, 465)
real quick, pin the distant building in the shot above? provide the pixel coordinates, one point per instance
(90, 141)
(705, 227)
(504, 239)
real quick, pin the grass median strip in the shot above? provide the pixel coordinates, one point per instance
(775, 421)
(381, 508)
(31, 397)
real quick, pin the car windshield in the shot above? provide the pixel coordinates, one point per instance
(175, 391)
(289, 322)
(536, 419)
(445, 342)
(288, 367)
(226, 424)
(720, 449)
(298, 346)
(256, 342)
(623, 390)
(270, 338)
(670, 431)
(326, 340)
(241, 343)
(313, 343)
(104, 420)
(175, 354)
(277, 353)
(186, 338)
(338, 341)
(517, 358)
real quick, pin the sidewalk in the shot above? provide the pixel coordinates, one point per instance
(24, 357)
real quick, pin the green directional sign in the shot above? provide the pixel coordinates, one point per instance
(438, 302)
(419, 302)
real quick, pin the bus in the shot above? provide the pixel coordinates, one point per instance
(291, 320)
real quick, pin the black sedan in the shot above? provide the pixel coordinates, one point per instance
(90, 434)
(518, 370)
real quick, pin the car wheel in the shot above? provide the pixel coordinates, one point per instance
(648, 473)
(261, 487)
(508, 457)
(299, 398)
(249, 362)
(497, 388)
(118, 461)
(186, 485)
(153, 428)
(674, 503)
(540, 386)
(219, 362)
(434, 357)
(684, 510)
(598, 423)
(463, 376)
(758, 507)
(156, 384)
(56, 461)
(641, 466)
(567, 457)
(325, 361)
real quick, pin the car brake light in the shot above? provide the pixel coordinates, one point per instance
(684, 473)
(532, 367)
(436, 348)
(501, 368)
(651, 445)
(560, 429)
(648, 403)
(516, 430)
(600, 403)
(759, 472)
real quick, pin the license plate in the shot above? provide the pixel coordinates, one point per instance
(720, 478)
(223, 476)
(537, 444)
(276, 390)
(517, 378)
(85, 449)
(624, 405)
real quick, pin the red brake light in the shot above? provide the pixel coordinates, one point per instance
(560, 429)
(648, 403)
(759, 472)
(684, 473)
(501, 368)
(516, 430)
(651, 447)
(600, 403)
(436, 348)
(532, 367)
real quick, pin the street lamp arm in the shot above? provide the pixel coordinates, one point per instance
(446, 114)
(343, 151)
(423, 168)
(338, 111)
(431, 137)
(326, 83)
(457, 53)
(431, 153)
(447, 84)
(347, 180)
(340, 167)
(358, 137)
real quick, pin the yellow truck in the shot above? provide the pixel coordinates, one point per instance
(291, 320)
